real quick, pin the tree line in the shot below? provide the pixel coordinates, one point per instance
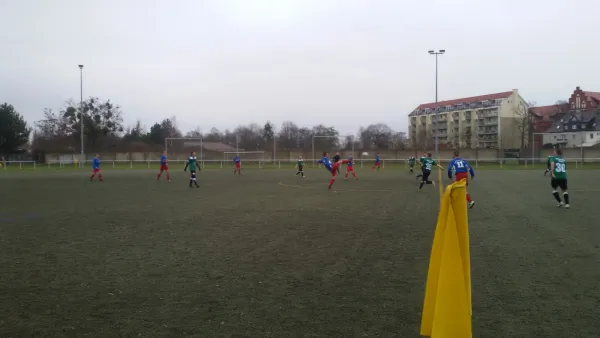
(104, 129)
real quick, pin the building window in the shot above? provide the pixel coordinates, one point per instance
(572, 105)
(574, 127)
(591, 135)
(583, 105)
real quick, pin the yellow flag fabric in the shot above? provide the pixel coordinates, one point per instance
(447, 306)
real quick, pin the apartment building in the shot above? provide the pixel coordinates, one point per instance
(485, 121)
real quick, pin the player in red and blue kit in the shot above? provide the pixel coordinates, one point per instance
(164, 166)
(96, 168)
(350, 167)
(461, 170)
(238, 165)
(377, 163)
(331, 167)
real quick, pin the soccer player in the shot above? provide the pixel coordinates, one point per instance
(300, 166)
(96, 168)
(192, 163)
(336, 159)
(377, 163)
(461, 168)
(558, 168)
(428, 163)
(550, 157)
(421, 159)
(350, 167)
(331, 167)
(164, 167)
(411, 164)
(238, 165)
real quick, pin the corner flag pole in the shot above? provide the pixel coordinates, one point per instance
(440, 180)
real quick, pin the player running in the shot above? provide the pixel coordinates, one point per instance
(192, 163)
(461, 170)
(331, 167)
(550, 157)
(164, 166)
(377, 163)
(428, 164)
(558, 168)
(411, 164)
(350, 167)
(421, 159)
(238, 165)
(300, 166)
(336, 159)
(96, 168)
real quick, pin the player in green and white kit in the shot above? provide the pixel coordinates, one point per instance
(421, 159)
(411, 163)
(300, 166)
(550, 157)
(427, 164)
(558, 168)
(192, 163)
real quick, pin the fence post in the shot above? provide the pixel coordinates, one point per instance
(130, 164)
(34, 167)
(21, 165)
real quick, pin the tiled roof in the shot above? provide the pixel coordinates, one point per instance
(546, 112)
(589, 118)
(594, 95)
(472, 99)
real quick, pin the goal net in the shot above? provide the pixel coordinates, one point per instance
(249, 159)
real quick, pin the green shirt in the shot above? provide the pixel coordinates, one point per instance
(411, 161)
(192, 163)
(300, 163)
(428, 163)
(550, 160)
(560, 167)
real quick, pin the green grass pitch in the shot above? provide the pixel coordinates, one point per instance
(269, 254)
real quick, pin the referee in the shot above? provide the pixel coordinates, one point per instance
(336, 158)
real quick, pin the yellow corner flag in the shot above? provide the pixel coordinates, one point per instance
(447, 306)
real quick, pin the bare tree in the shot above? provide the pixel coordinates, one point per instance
(524, 122)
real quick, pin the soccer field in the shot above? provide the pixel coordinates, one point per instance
(272, 255)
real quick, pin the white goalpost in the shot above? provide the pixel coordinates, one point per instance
(248, 156)
(327, 136)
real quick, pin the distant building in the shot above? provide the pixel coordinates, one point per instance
(570, 124)
(575, 129)
(485, 121)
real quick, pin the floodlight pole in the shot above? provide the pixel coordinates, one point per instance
(439, 52)
(81, 113)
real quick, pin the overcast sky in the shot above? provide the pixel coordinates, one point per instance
(345, 63)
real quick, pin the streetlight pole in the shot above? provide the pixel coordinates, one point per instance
(439, 52)
(82, 158)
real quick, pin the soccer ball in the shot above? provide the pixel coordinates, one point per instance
(365, 154)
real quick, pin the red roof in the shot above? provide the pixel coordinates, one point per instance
(472, 99)
(594, 95)
(546, 112)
